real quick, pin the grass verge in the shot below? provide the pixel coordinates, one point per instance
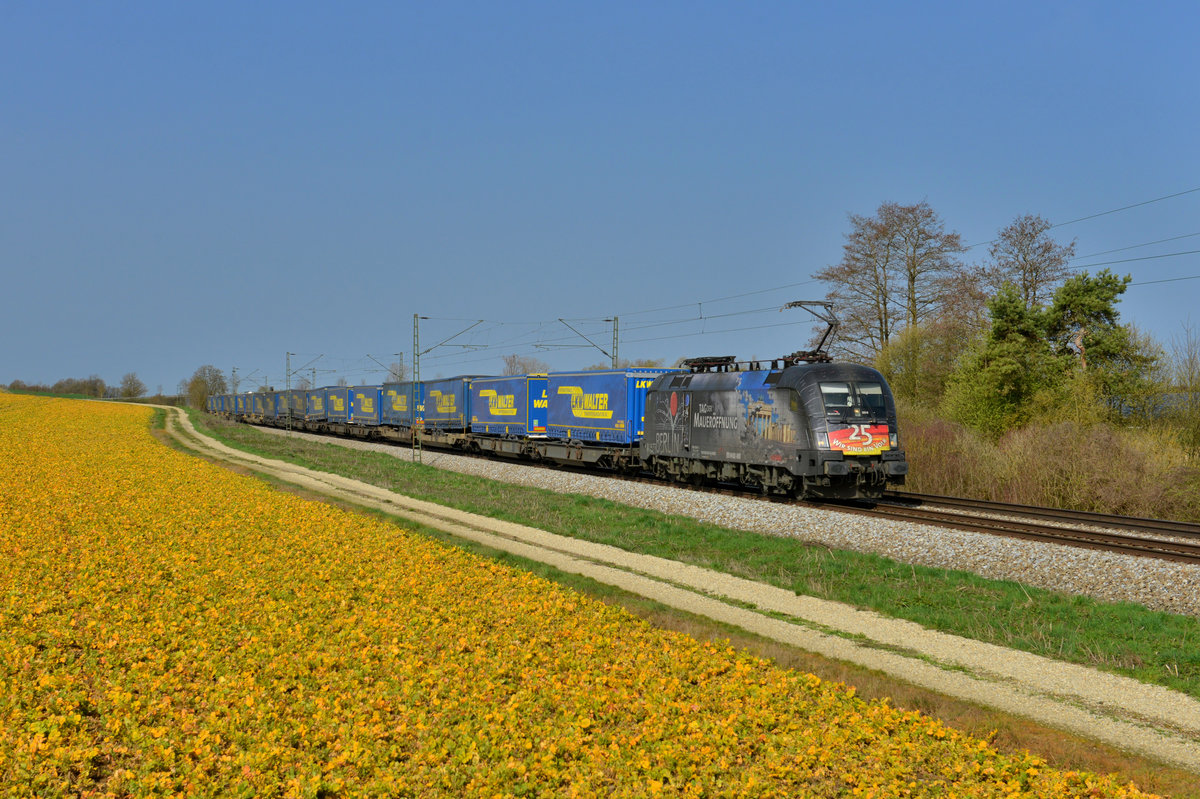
(1148, 645)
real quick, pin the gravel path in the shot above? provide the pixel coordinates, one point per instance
(1150, 720)
(1154, 583)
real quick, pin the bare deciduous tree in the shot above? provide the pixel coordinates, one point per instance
(205, 382)
(92, 386)
(523, 365)
(1025, 256)
(131, 386)
(1185, 377)
(897, 270)
(1185, 360)
(622, 363)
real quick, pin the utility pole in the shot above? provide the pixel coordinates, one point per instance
(416, 408)
(615, 360)
(418, 404)
(287, 390)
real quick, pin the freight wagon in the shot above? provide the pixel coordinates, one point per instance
(509, 406)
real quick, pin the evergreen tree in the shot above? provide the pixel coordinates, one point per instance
(1072, 361)
(996, 382)
(1083, 323)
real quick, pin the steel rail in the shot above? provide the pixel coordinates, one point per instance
(1176, 551)
(1187, 530)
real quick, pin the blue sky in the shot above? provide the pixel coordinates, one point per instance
(223, 183)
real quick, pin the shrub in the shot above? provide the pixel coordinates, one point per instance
(1059, 463)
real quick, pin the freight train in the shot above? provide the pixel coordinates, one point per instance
(799, 426)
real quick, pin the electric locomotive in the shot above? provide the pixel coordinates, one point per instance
(803, 426)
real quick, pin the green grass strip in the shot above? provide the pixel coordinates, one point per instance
(1148, 645)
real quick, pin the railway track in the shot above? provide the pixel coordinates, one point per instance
(1156, 538)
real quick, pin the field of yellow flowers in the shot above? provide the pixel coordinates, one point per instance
(170, 627)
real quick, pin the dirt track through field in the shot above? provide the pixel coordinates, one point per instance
(1151, 721)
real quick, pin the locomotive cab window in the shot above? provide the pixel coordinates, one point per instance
(871, 396)
(850, 399)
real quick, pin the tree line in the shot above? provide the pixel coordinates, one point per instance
(93, 386)
(195, 390)
(1016, 337)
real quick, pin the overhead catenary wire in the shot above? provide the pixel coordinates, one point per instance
(555, 342)
(486, 353)
(1126, 208)
(1138, 246)
(719, 299)
(563, 342)
(461, 360)
(1165, 280)
(1133, 260)
(1102, 213)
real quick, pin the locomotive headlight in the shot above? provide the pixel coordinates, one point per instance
(895, 440)
(822, 441)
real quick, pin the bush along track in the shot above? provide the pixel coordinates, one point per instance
(172, 627)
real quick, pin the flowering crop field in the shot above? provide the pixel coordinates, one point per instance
(170, 627)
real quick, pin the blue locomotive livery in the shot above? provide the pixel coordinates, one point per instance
(799, 426)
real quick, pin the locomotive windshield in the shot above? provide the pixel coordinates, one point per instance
(850, 399)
